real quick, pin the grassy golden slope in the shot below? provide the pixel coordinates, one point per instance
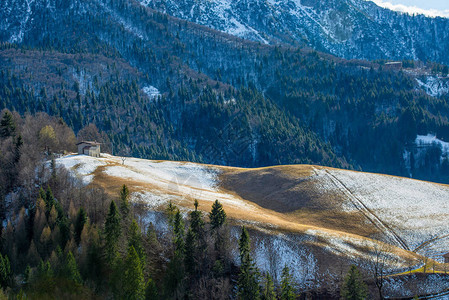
(328, 204)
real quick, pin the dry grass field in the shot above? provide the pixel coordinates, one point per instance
(330, 214)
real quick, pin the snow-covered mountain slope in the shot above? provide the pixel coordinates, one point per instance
(337, 210)
(346, 28)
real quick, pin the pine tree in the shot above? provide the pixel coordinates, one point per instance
(248, 281)
(80, 221)
(112, 232)
(175, 271)
(268, 292)
(71, 269)
(135, 240)
(195, 241)
(44, 270)
(189, 259)
(217, 216)
(287, 292)
(124, 203)
(354, 288)
(171, 212)
(196, 220)
(27, 274)
(133, 284)
(49, 200)
(5, 271)
(7, 125)
(178, 230)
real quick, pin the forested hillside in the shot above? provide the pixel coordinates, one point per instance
(218, 99)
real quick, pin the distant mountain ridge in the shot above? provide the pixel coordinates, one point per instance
(352, 29)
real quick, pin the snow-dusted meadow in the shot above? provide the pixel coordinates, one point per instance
(409, 212)
(416, 211)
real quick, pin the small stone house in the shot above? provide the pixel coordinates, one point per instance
(89, 148)
(446, 258)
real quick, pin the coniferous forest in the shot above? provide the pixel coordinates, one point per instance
(278, 104)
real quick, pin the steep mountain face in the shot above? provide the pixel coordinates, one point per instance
(346, 28)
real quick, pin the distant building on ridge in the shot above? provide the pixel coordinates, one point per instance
(393, 66)
(89, 148)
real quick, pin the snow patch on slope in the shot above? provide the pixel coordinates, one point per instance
(434, 86)
(151, 92)
(82, 166)
(417, 211)
(431, 139)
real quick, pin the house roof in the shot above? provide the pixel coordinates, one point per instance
(89, 143)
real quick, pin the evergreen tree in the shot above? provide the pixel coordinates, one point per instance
(70, 269)
(287, 292)
(135, 241)
(151, 292)
(5, 271)
(124, 202)
(27, 274)
(196, 221)
(112, 232)
(81, 219)
(133, 284)
(171, 212)
(174, 275)
(353, 287)
(42, 195)
(217, 216)
(190, 250)
(248, 280)
(178, 230)
(268, 292)
(7, 125)
(49, 200)
(44, 270)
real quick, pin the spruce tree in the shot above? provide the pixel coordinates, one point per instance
(217, 216)
(124, 202)
(354, 288)
(7, 125)
(248, 280)
(196, 221)
(174, 275)
(133, 284)
(5, 271)
(190, 252)
(135, 240)
(178, 231)
(171, 212)
(49, 199)
(112, 232)
(287, 292)
(268, 292)
(71, 269)
(81, 219)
